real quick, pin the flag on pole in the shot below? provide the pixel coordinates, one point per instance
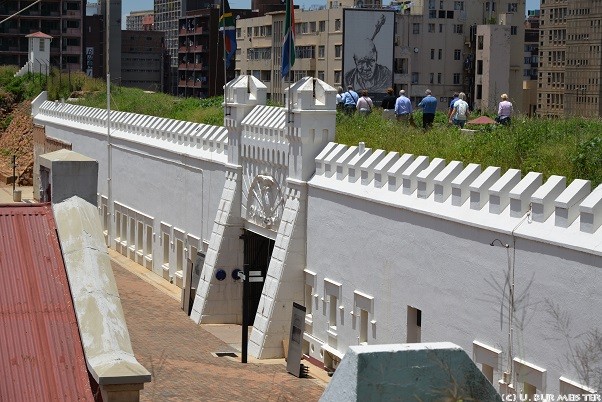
(228, 26)
(288, 46)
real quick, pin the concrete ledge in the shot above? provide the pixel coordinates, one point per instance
(102, 325)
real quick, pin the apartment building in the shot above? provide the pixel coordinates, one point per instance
(570, 58)
(143, 60)
(318, 45)
(531, 63)
(61, 19)
(140, 20)
(200, 53)
(435, 44)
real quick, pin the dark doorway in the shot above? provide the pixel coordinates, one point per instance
(258, 252)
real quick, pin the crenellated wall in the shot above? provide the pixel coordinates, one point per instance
(392, 234)
(167, 177)
(380, 247)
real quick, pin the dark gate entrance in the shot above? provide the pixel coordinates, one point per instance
(258, 252)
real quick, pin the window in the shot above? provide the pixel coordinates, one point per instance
(337, 24)
(432, 54)
(432, 13)
(458, 28)
(165, 249)
(332, 311)
(440, 54)
(488, 4)
(512, 7)
(42, 43)
(322, 26)
(439, 78)
(480, 42)
(249, 31)
(337, 51)
(479, 92)
(457, 54)
(458, 5)
(513, 30)
(321, 51)
(440, 28)
(431, 28)
(321, 75)
(415, 28)
(414, 325)
(238, 32)
(431, 78)
(457, 78)
(312, 26)
(337, 77)
(479, 67)
(310, 285)
(431, 4)
(415, 77)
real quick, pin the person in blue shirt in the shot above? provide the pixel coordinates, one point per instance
(350, 99)
(451, 103)
(403, 107)
(429, 107)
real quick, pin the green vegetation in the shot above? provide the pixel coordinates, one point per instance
(570, 147)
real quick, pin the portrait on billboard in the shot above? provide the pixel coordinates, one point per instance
(368, 49)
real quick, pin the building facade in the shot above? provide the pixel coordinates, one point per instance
(140, 20)
(435, 47)
(200, 53)
(531, 63)
(61, 19)
(570, 59)
(143, 60)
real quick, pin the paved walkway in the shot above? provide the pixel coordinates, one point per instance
(178, 353)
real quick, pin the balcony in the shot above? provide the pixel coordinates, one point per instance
(197, 48)
(72, 49)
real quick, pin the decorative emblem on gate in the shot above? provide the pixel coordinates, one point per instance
(265, 201)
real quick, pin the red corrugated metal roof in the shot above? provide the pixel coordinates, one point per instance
(41, 355)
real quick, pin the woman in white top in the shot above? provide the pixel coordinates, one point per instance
(364, 103)
(504, 110)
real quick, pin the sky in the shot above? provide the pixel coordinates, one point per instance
(136, 5)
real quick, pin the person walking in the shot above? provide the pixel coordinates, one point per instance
(460, 112)
(429, 107)
(340, 98)
(403, 107)
(452, 102)
(350, 99)
(504, 111)
(364, 103)
(388, 102)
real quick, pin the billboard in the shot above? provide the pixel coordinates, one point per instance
(368, 49)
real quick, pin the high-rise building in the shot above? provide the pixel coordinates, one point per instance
(61, 19)
(167, 15)
(200, 53)
(140, 20)
(570, 61)
(531, 63)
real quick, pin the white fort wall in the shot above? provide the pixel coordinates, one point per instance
(365, 237)
(389, 233)
(167, 178)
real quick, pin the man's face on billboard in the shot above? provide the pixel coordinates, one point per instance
(365, 60)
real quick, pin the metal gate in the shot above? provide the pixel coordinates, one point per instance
(257, 255)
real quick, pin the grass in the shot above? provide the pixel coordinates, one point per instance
(566, 147)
